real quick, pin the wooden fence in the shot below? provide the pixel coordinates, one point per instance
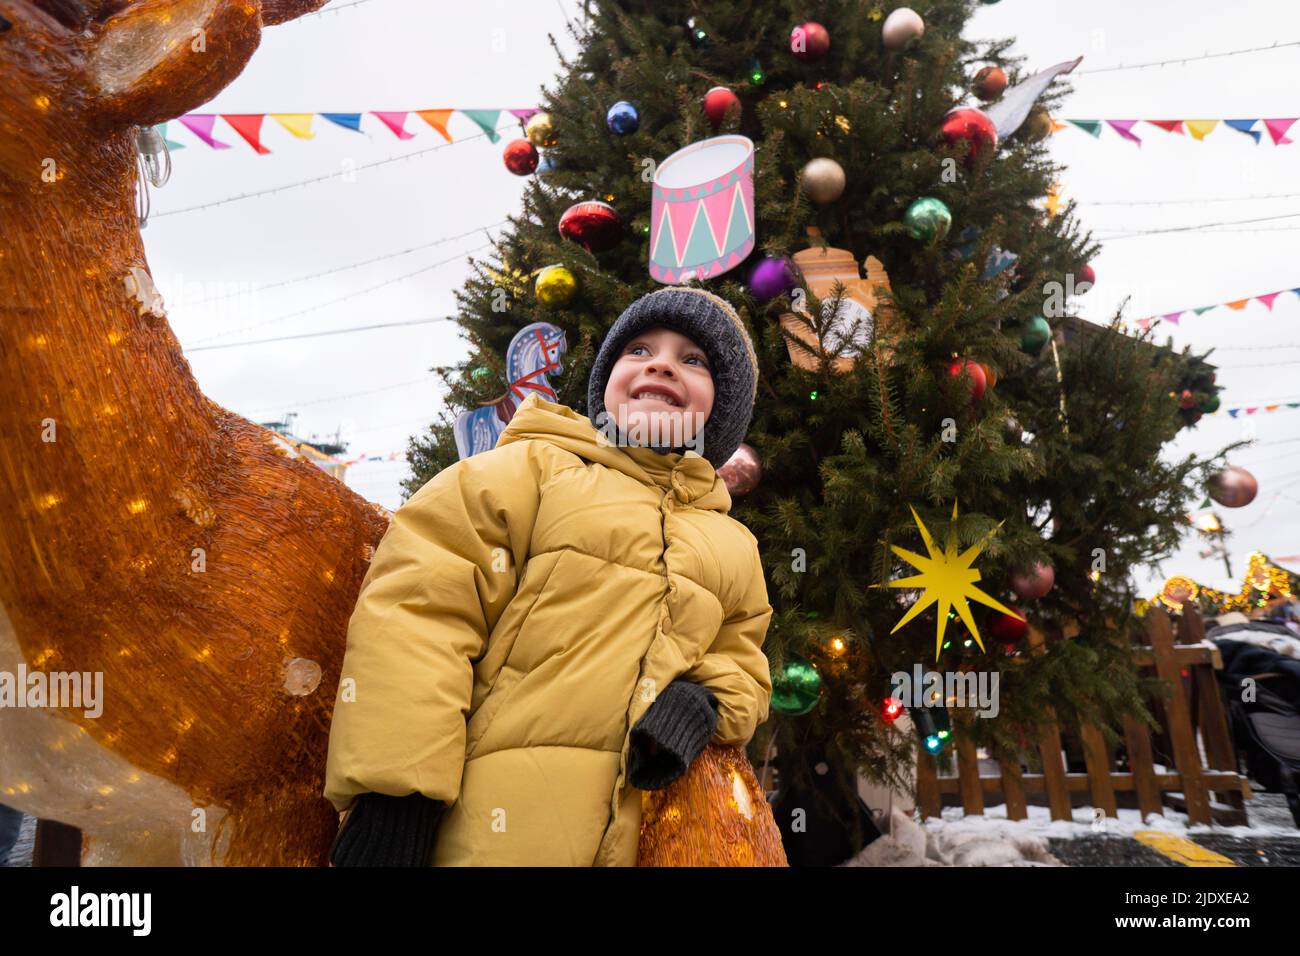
(1194, 731)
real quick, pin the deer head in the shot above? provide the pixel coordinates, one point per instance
(77, 72)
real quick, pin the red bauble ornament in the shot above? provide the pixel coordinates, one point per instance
(1087, 274)
(594, 225)
(716, 103)
(1035, 584)
(1187, 399)
(1008, 629)
(1233, 487)
(989, 83)
(810, 41)
(974, 128)
(521, 157)
(978, 381)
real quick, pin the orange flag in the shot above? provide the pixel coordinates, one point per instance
(437, 119)
(1238, 305)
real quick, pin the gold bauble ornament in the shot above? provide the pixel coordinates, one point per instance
(540, 130)
(555, 286)
(823, 180)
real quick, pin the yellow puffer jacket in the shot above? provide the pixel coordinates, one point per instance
(519, 616)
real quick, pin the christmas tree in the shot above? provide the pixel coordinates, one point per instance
(951, 393)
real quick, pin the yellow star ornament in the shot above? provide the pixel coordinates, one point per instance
(948, 578)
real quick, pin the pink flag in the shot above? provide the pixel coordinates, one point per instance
(1144, 323)
(1125, 129)
(524, 115)
(1172, 317)
(1277, 128)
(200, 124)
(1268, 299)
(394, 121)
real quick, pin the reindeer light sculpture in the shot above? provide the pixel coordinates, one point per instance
(147, 534)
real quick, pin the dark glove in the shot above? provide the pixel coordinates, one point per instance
(671, 734)
(388, 831)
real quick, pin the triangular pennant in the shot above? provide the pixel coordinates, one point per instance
(1277, 128)
(200, 124)
(1244, 126)
(396, 121)
(1057, 125)
(1088, 126)
(299, 124)
(1293, 404)
(249, 126)
(1171, 317)
(1169, 126)
(486, 120)
(162, 131)
(1232, 413)
(1238, 305)
(350, 121)
(437, 119)
(524, 115)
(1201, 128)
(1203, 309)
(1270, 408)
(1125, 129)
(1252, 410)
(1144, 323)
(1268, 299)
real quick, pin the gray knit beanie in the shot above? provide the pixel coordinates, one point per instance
(714, 326)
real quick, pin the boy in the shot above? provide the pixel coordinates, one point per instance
(551, 627)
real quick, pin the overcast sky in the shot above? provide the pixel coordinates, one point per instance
(374, 387)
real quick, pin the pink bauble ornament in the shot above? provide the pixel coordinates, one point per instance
(810, 41)
(520, 157)
(742, 471)
(1233, 487)
(716, 103)
(1035, 584)
(972, 126)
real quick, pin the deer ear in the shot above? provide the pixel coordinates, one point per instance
(158, 59)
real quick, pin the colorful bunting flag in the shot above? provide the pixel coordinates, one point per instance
(1170, 126)
(346, 120)
(200, 124)
(1277, 129)
(437, 119)
(487, 121)
(1125, 129)
(299, 124)
(1245, 126)
(1237, 305)
(1088, 126)
(249, 126)
(394, 121)
(1201, 128)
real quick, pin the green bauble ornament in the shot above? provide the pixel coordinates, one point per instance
(1035, 334)
(796, 688)
(479, 373)
(927, 219)
(555, 286)
(1210, 405)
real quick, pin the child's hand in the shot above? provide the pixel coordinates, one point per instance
(670, 735)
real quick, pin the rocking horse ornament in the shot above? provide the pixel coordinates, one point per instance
(149, 537)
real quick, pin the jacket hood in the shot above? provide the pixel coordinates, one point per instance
(690, 476)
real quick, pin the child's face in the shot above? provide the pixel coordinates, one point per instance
(661, 384)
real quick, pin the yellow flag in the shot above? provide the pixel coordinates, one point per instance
(1200, 128)
(297, 123)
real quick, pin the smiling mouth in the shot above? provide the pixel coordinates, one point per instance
(651, 393)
